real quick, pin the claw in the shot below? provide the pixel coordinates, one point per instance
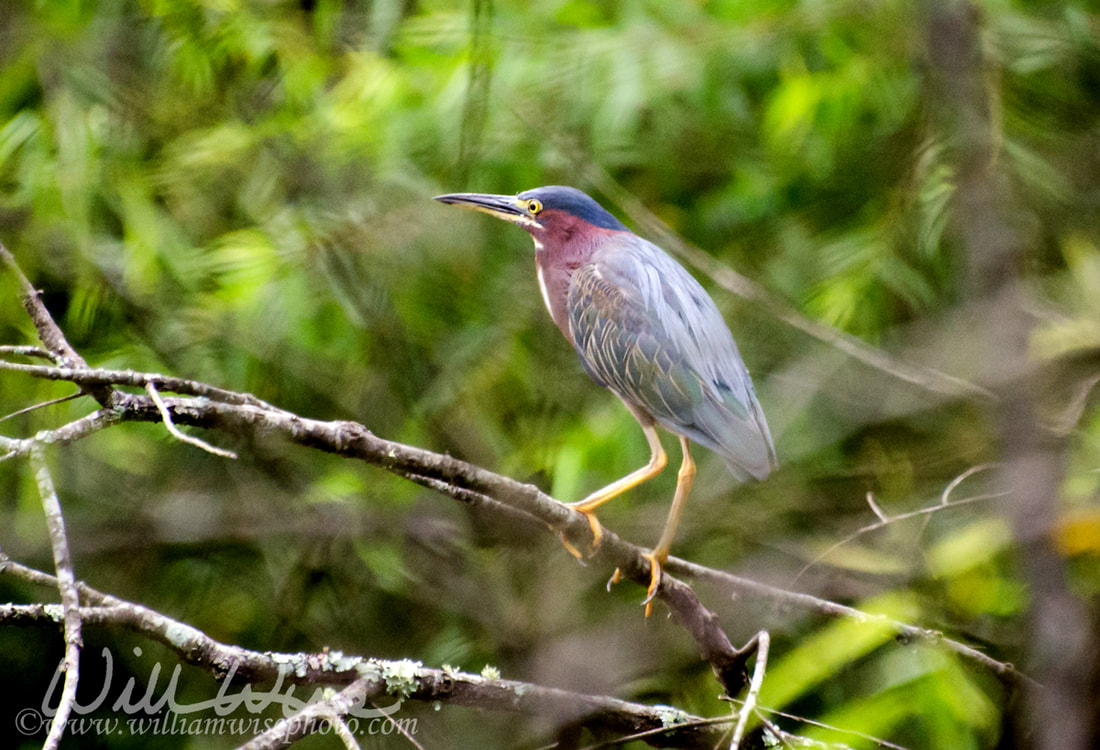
(654, 581)
(597, 536)
(571, 549)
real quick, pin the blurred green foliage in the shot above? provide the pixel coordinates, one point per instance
(239, 192)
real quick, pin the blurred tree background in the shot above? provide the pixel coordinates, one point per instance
(238, 191)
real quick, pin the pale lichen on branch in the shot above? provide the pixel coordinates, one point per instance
(375, 678)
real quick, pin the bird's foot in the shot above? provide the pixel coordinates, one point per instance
(655, 563)
(597, 533)
(654, 580)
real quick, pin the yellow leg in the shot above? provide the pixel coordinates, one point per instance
(659, 555)
(658, 459)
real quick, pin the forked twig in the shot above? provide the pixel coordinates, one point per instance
(884, 520)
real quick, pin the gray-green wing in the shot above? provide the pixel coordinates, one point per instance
(645, 329)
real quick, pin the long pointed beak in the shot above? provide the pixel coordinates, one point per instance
(506, 207)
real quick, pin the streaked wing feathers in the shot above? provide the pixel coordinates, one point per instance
(646, 329)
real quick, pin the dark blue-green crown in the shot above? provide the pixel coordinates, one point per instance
(574, 202)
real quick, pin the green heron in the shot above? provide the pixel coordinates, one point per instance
(647, 331)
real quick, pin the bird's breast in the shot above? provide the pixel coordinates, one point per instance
(554, 285)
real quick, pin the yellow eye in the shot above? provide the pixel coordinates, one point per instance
(534, 206)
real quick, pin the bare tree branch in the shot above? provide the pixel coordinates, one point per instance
(352, 440)
(762, 642)
(29, 351)
(70, 598)
(93, 377)
(784, 736)
(334, 668)
(737, 587)
(63, 435)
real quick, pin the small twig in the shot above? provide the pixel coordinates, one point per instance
(63, 435)
(514, 517)
(945, 498)
(341, 730)
(776, 731)
(718, 721)
(29, 351)
(404, 732)
(96, 377)
(762, 713)
(460, 494)
(875, 509)
(70, 598)
(166, 416)
(884, 520)
(51, 402)
(762, 642)
(1070, 415)
(289, 730)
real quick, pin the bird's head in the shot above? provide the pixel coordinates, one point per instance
(567, 227)
(553, 215)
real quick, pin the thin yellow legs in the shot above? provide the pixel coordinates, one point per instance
(684, 479)
(658, 459)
